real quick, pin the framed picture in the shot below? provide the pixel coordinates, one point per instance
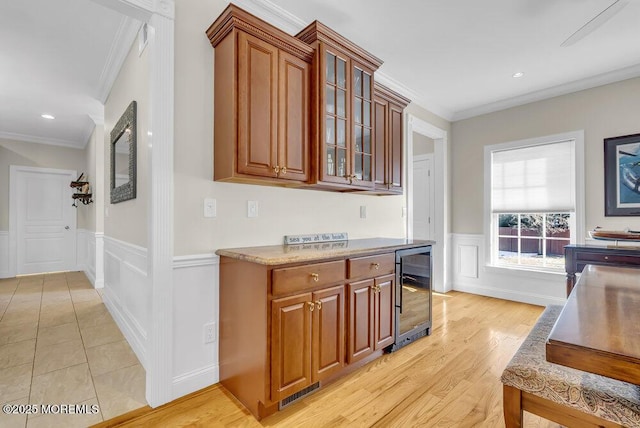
(622, 176)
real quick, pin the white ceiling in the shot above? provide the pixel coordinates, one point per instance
(58, 57)
(454, 57)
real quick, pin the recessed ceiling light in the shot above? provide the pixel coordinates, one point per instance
(518, 74)
(47, 116)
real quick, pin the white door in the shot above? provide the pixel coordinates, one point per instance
(423, 222)
(45, 220)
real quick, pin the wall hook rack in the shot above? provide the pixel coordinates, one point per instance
(82, 194)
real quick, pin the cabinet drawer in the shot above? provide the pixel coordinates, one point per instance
(612, 259)
(371, 266)
(300, 278)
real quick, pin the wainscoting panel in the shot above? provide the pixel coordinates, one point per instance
(127, 292)
(472, 275)
(468, 260)
(82, 249)
(4, 254)
(195, 304)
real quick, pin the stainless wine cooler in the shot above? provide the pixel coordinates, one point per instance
(413, 295)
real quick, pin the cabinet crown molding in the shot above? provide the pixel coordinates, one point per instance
(317, 31)
(390, 95)
(234, 17)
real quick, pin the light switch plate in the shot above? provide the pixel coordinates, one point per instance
(252, 208)
(209, 207)
(363, 211)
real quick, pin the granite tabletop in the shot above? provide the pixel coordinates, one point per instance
(283, 254)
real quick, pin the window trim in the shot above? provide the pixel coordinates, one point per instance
(489, 228)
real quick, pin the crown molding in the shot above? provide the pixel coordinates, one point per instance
(273, 14)
(414, 96)
(70, 144)
(122, 42)
(568, 88)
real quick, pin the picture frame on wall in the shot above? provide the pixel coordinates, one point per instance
(622, 176)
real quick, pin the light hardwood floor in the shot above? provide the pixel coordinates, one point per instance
(449, 379)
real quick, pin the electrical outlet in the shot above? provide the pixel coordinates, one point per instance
(210, 335)
(209, 207)
(252, 208)
(363, 211)
(404, 211)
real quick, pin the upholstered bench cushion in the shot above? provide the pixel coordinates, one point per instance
(604, 397)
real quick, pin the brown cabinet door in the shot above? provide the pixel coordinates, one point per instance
(395, 148)
(293, 138)
(381, 136)
(257, 106)
(360, 341)
(328, 333)
(384, 310)
(290, 344)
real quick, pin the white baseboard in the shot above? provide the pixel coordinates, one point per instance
(195, 304)
(516, 296)
(197, 379)
(4, 254)
(127, 292)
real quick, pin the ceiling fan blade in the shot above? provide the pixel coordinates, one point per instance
(600, 19)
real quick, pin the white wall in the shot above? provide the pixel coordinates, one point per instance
(602, 112)
(127, 221)
(29, 154)
(127, 290)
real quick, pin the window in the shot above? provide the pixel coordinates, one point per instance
(534, 201)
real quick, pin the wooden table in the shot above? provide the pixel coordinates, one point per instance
(598, 330)
(576, 257)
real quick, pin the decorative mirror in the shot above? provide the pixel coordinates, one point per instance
(123, 156)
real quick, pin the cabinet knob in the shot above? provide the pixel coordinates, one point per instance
(311, 306)
(315, 277)
(318, 304)
(606, 257)
(375, 288)
(283, 170)
(276, 169)
(376, 266)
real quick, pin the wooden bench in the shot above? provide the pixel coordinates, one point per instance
(561, 394)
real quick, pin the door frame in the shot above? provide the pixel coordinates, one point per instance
(441, 194)
(14, 170)
(428, 156)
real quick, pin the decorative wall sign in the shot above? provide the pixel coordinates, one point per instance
(622, 175)
(318, 237)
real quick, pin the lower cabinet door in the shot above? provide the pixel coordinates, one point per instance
(328, 333)
(384, 310)
(290, 344)
(360, 342)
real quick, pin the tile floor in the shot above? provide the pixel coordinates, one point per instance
(59, 345)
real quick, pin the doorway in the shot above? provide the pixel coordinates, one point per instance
(423, 215)
(42, 221)
(440, 195)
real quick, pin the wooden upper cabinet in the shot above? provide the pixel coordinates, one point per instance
(261, 101)
(389, 140)
(342, 140)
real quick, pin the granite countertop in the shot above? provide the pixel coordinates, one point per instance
(283, 254)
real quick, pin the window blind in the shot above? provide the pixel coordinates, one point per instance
(532, 179)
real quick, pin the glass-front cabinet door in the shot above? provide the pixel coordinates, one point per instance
(336, 164)
(362, 127)
(348, 111)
